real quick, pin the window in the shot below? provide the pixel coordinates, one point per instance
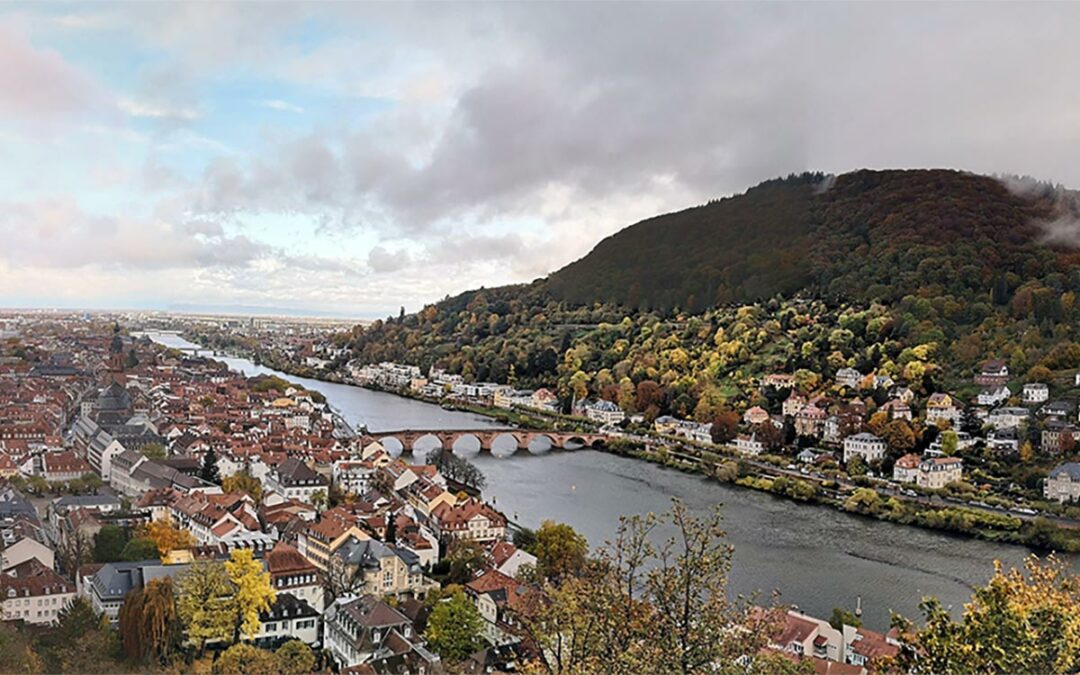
(271, 627)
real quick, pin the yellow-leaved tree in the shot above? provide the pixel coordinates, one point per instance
(253, 592)
(166, 536)
(1017, 623)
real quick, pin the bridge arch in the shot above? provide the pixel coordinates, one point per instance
(467, 444)
(394, 446)
(499, 446)
(422, 445)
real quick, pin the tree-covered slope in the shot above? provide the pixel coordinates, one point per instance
(918, 275)
(867, 235)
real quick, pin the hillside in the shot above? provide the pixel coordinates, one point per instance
(919, 275)
(871, 235)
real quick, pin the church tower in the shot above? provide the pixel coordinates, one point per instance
(115, 362)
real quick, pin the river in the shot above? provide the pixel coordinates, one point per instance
(816, 557)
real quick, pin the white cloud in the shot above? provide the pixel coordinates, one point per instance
(278, 104)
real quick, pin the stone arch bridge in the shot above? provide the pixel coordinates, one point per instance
(446, 438)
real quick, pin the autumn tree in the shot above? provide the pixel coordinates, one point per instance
(1017, 623)
(166, 536)
(149, 626)
(456, 468)
(205, 604)
(453, 629)
(244, 659)
(294, 658)
(559, 549)
(243, 482)
(253, 593)
(725, 426)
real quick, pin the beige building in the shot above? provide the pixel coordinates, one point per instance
(1063, 483)
(937, 472)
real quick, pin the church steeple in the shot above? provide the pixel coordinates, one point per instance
(115, 362)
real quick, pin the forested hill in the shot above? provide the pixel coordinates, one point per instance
(867, 235)
(919, 275)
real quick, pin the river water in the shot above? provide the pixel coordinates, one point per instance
(817, 558)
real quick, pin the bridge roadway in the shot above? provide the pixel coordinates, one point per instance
(446, 438)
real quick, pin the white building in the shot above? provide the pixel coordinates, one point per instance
(993, 395)
(1063, 483)
(604, 412)
(749, 445)
(1035, 392)
(937, 472)
(866, 445)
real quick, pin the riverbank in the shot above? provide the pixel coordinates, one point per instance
(862, 498)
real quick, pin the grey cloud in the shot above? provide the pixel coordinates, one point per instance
(382, 260)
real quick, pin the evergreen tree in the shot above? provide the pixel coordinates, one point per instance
(209, 471)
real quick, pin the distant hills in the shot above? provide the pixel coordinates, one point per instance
(867, 235)
(919, 274)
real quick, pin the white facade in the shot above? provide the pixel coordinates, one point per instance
(865, 445)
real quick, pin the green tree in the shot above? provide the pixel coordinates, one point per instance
(140, 548)
(559, 550)
(454, 627)
(842, 617)
(153, 451)
(209, 471)
(109, 543)
(295, 658)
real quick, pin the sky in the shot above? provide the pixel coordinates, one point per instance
(353, 158)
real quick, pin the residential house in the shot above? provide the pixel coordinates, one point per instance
(508, 559)
(810, 421)
(943, 407)
(290, 572)
(897, 409)
(793, 404)
(293, 479)
(1035, 392)
(33, 593)
(848, 377)
(749, 444)
(371, 566)
(863, 646)
(353, 476)
(993, 373)
(318, 541)
(756, 415)
(604, 412)
(472, 520)
(865, 445)
(366, 631)
(1008, 417)
(993, 395)
(289, 618)
(804, 636)
(937, 472)
(1063, 483)
(496, 595)
(906, 469)
(1058, 436)
(1062, 409)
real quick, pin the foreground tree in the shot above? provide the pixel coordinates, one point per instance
(295, 658)
(453, 629)
(140, 548)
(148, 622)
(253, 592)
(1017, 623)
(205, 604)
(243, 659)
(639, 607)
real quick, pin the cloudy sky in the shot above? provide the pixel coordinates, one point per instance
(353, 158)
